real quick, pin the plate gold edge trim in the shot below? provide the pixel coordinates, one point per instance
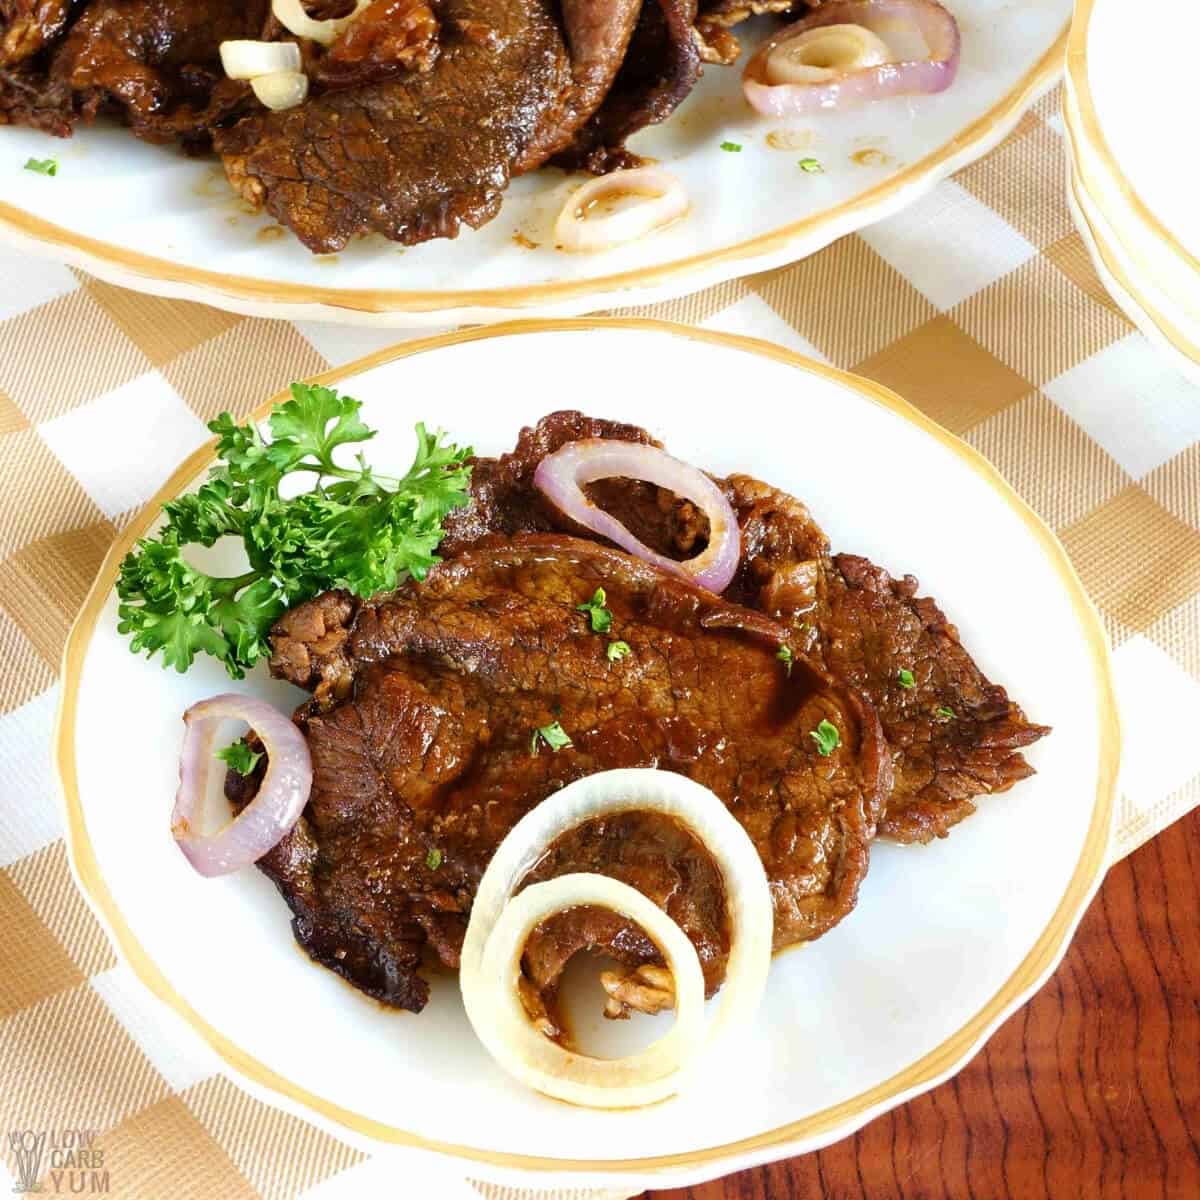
(1093, 133)
(273, 292)
(1165, 326)
(952, 1052)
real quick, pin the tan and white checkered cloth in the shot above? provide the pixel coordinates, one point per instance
(978, 304)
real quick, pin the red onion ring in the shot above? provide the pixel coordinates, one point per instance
(934, 74)
(561, 477)
(273, 811)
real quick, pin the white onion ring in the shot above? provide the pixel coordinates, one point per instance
(936, 25)
(659, 1070)
(508, 1035)
(281, 796)
(291, 15)
(244, 59)
(283, 90)
(661, 200)
(561, 477)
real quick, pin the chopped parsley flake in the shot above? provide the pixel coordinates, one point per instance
(732, 147)
(600, 616)
(948, 713)
(811, 165)
(433, 859)
(553, 735)
(827, 738)
(785, 656)
(906, 678)
(239, 757)
(617, 651)
(43, 166)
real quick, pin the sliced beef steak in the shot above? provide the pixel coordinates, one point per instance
(153, 63)
(864, 626)
(417, 156)
(954, 735)
(157, 62)
(27, 27)
(656, 76)
(431, 749)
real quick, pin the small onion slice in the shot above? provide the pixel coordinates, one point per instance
(291, 15)
(281, 796)
(819, 55)
(496, 935)
(562, 476)
(890, 21)
(283, 90)
(505, 1028)
(243, 59)
(661, 199)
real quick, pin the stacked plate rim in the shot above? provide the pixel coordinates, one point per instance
(1146, 269)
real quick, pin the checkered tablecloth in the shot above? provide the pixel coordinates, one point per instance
(978, 304)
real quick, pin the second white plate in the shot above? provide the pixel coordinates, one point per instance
(150, 219)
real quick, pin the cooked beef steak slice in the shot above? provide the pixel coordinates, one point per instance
(29, 30)
(156, 63)
(656, 76)
(27, 97)
(864, 626)
(432, 750)
(418, 156)
(954, 735)
(598, 36)
(27, 27)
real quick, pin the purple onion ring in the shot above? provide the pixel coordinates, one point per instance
(562, 476)
(273, 811)
(934, 74)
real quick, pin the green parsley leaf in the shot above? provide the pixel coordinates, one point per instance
(239, 757)
(906, 677)
(433, 859)
(617, 651)
(785, 656)
(827, 738)
(811, 165)
(732, 147)
(354, 529)
(948, 713)
(601, 618)
(43, 166)
(553, 735)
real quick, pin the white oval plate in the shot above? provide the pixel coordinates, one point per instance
(946, 939)
(150, 219)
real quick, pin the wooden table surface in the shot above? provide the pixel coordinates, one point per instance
(1091, 1091)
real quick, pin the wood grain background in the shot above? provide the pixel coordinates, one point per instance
(1092, 1091)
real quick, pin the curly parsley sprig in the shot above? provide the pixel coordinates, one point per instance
(355, 529)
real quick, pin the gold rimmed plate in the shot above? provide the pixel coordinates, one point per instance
(147, 218)
(946, 940)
